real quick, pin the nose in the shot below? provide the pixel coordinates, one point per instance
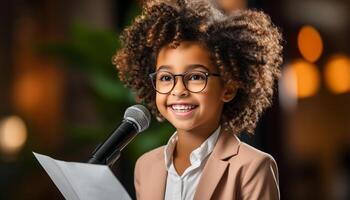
(179, 88)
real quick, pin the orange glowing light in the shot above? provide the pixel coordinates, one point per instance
(13, 134)
(337, 74)
(310, 43)
(305, 76)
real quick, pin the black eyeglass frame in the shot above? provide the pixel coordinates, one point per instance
(207, 74)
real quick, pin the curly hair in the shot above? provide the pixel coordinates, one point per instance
(244, 45)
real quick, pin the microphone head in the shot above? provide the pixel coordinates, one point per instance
(140, 115)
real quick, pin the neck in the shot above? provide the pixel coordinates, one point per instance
(191, 140)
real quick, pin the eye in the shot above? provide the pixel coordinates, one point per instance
(165, 77)
(196, 76)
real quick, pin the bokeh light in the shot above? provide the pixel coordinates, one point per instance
(288, 89)
(302, 79)
(13, 134)
(310, 43)
(337, 74)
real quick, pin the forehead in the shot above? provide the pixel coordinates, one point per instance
(185, 56)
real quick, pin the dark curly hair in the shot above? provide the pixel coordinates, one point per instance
(244, 45)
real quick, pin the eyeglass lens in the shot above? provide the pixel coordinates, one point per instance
(194, 81)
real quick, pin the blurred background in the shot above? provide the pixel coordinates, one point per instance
(60, 94)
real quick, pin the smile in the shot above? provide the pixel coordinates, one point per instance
(182, 110)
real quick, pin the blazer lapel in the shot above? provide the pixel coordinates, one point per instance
(226, 147)
(157, 180)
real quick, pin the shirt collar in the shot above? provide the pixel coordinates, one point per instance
(197, 155)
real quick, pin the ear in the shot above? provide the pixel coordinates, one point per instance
(230, 91)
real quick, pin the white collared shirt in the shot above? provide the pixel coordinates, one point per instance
(184, 187)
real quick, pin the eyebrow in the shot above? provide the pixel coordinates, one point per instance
(188, 67)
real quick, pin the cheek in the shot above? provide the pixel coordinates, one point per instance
(212, 102)
(160, 102)
(215, 93)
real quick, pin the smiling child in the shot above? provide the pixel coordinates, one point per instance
(211, 76)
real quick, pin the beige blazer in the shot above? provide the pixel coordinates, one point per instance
(234, 170)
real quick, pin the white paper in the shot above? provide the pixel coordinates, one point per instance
(83, 181)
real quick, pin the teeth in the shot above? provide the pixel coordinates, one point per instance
(183, 107)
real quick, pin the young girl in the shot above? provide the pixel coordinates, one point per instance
(211, 76)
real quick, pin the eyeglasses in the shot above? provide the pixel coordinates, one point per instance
(194, 81)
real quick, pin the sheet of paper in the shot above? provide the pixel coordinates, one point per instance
(83, 181)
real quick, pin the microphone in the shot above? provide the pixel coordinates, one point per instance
(136, 119)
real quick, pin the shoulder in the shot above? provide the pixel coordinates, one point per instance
(145, 162)
(257, 171)
(251, 162)
(143, 167)
(249, 154)
(230, 148)
(151, 156)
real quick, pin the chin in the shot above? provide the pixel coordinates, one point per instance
(185, 126)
